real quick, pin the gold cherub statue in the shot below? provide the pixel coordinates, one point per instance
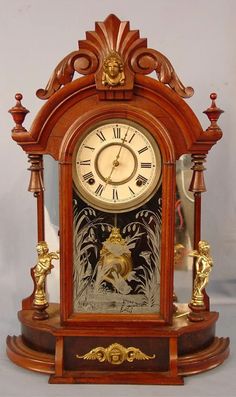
(40, 272)
(113, 70)
(203, 266)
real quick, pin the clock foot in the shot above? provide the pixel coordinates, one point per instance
(20, 354)
(206, 359)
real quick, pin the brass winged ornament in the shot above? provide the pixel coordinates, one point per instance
(116, 354)
(134, 353)
(99, 353)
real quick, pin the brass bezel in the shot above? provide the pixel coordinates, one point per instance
(119, 207)
(131, 174)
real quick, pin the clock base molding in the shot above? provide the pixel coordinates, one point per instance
(48, 347)
(22, 355)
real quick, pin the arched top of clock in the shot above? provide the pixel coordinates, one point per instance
(113, 41)
(115, 62)
(67, 107)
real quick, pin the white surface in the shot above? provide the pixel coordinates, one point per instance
(199, 39)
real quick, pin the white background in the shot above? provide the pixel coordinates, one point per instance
(199, 39)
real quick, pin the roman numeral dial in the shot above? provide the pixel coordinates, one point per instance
(116, 166)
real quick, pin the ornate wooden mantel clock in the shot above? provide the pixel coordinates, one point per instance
(117, 136)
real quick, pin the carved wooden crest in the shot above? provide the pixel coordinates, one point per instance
(113, 38)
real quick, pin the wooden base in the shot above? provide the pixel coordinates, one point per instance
(47, 347)
(22, 355)
(130, 378)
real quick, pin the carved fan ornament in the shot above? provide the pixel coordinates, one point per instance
(114, 37)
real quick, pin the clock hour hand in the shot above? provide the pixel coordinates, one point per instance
(108, 179)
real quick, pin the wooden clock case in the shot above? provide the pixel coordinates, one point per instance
(182, 345)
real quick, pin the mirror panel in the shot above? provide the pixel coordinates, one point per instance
(184, 230)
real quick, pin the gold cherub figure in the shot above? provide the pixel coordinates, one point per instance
(113, 70)
(203, 266)
(40, 272)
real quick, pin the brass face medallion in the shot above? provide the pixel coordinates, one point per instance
(116, 166)
(113, 70)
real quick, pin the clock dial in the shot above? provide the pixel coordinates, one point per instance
(117, 166)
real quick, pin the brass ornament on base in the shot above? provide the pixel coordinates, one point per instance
(116, 354)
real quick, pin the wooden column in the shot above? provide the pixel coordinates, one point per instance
(197, 186)
(18, 113)
(37, 188)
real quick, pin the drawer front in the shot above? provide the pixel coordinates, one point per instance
(118, 354)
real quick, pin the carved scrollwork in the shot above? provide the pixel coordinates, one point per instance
(82, 61)
(145, 61)
(114, 37)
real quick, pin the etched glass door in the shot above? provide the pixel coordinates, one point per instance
(117, 259)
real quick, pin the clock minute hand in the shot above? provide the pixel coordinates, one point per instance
(116, 162)
(122, 145)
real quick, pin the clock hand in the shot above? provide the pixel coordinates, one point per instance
(116, 162)
(108, 179)
(122, 144)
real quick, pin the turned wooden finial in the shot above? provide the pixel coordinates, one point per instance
(18, 113)
(213, 113)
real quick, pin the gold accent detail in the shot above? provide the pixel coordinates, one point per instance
(116, 354)
(116, 256)
(113, 70)
(178, 315)
(203, 266)
(40, 272)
